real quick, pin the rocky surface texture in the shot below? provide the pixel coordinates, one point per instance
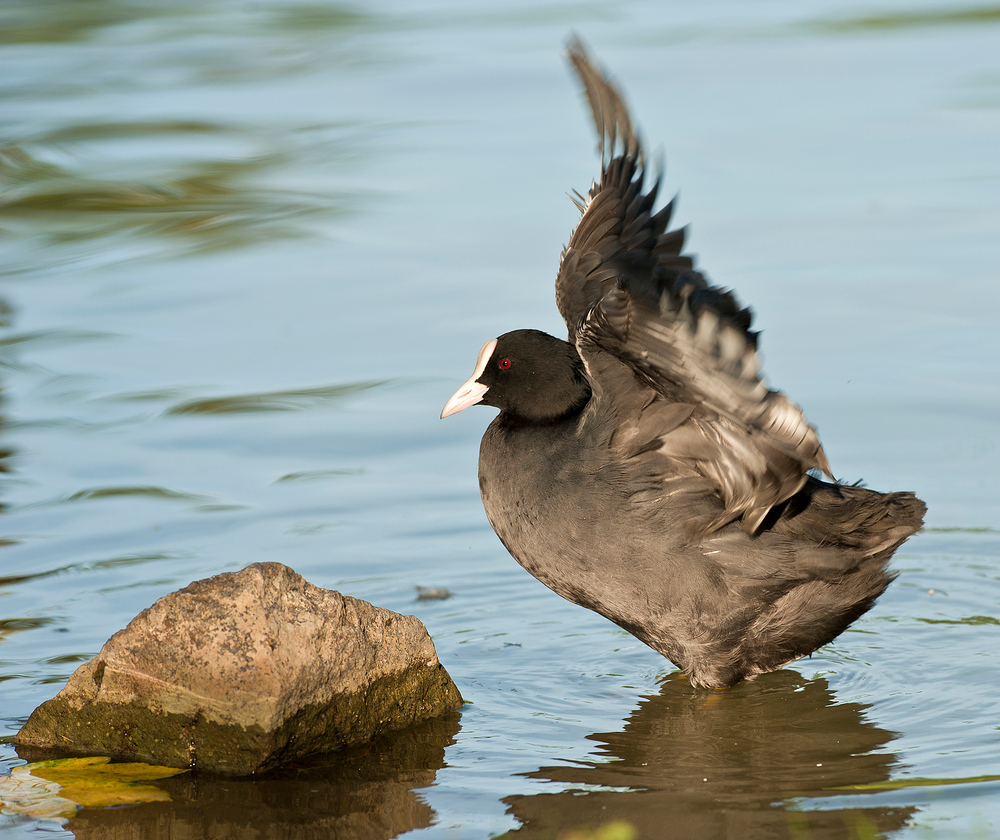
(245, 670)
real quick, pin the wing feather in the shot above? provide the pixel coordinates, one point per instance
(703, 420)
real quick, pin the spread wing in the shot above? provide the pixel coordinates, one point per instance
(618, 219)
(702, 415)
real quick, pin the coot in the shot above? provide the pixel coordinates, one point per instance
(643, 469)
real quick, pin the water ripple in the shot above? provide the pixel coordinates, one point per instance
(912, 19)
(292, 400)
(74, 185)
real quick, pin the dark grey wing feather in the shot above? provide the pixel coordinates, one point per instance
(751, 443)
(617, 216)
(625, 289)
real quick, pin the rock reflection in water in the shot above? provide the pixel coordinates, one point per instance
(724, 764)
(364, 793)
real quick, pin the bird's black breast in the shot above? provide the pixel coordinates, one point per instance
(560, 506)
(528, 478)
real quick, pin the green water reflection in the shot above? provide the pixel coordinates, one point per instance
(169, 181)
(68, 185)
(912, 18)
(65, 21)
(290, 400)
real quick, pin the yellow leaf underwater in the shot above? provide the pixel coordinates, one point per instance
(55, 789)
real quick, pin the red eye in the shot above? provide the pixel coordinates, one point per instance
(504, 364)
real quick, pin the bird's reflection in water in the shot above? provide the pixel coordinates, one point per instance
(362, 793)
(714, 764)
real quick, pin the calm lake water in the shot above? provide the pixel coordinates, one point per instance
(249, 248)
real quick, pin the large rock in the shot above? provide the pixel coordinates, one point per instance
(244, 670)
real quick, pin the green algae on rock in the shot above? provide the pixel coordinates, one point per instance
(239, 672)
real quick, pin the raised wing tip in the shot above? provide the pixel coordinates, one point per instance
(607, 104)
(575, 45)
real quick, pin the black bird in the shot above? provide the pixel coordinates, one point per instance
(644, 470)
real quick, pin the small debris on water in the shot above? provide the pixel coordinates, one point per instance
(431, 593)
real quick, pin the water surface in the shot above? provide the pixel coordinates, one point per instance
(248, 249)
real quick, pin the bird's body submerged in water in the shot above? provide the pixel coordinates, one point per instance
(644, 470)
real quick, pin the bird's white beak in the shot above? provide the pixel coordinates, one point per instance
(471, 391)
